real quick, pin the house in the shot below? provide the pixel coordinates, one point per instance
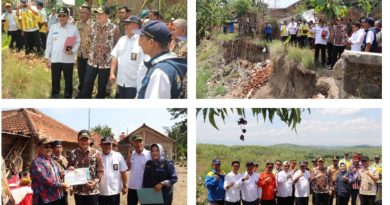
(21, 128)
(150, 136)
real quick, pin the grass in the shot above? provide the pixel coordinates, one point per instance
(226, 37)
(303, 55)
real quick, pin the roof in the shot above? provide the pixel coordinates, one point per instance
(32, 123)
(149, 128)
(280, 4)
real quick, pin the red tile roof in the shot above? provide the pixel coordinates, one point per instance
(151, 129)
(33, 123)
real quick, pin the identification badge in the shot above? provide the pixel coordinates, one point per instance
(133, 56)
(115, 167)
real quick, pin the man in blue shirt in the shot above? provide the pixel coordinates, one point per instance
(214, 183)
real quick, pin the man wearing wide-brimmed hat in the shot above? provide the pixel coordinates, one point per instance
(12, 27)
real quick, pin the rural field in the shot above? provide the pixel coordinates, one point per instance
(260, 154)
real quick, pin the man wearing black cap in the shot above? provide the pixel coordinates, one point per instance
(214, 182)
(165, 74)
(114, 182)
(63, 42)
(104, 36)
(87, 157)
(28, 18)
(128, 57)
(84, 27)
(63, 162)
(368, 178)
(250, 191)
(136, 161)
(370, 43)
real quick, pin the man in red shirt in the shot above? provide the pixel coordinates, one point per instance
(268, 184)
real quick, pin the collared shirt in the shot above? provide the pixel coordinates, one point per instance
(55, 46)
(356, 41)
(339, 33)
(233, 193)
(61, 161)
(283, 30)
(214, 185)
(332, 173)
(11, 23)
(130, 60)
(292, 28)
(103, 38)
(370, 37)
(114, 164)
(320, 180)
(285, 183)
(16, 164)
(42, 18)
(85, 29)
(45, 179)
(91, 159)
(137, 168)
(28, 19)
(302, 186)
(367, 185)
(318, 32)
(249, 189)
(267, 187)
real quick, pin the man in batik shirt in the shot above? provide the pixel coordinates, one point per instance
(320, 183)
(368, 178)
(87, 157)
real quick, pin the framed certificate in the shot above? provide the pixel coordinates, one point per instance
(77, 176)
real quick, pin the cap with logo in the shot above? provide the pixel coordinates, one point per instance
(369, 20)
(216, 162)
(302, 163)
(85, 5)
(335, 158)
(63, 10)
(106, 140)
(132, 19)
(155, 30)
(44, 140)
(137, 137)
(56, 143)
(102, 9)
(7, 5)
(84, 134)
(250, 163)
(321, 159)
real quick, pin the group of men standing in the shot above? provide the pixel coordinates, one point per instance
(107, 172)
(145, 58)
(289, 184)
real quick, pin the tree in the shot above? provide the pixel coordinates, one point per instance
(242, 6)
(103, 130)
(178, 132)
(290, 116)
(332, 8)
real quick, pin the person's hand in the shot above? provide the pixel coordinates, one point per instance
(71, 168)
(217, 177)
(124, 190)
(71, 191)
(330, 192)
(345, 178)
(112, 78)
(246, 177)
(158, 187)
(48, 63)
(69, 52)
(65, 185)
(231, 184)
(91, 184)
(268, 179)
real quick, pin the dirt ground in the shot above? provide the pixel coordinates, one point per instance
(179, 193)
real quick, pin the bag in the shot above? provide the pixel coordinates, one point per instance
(324, 33)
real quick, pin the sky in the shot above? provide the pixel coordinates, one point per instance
(322, 127)
(279, 3)
(120, 120)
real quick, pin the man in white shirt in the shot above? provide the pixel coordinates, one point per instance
(321, 35)
(292, 29)
(302, 185)
(114, 180)
(60, 57)
(12, 27)
(232, 185)
(284, 179)
(249, 189)
(136, 161)
(128, 57)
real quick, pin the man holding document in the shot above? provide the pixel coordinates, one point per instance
(85, 181)
(62, 43)
(115, 178)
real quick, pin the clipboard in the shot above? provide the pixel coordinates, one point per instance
(149, 196)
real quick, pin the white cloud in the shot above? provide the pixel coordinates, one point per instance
(340, 111)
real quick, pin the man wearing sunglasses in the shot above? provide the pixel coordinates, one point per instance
(63, 42)
(165, 71)
(45, 175)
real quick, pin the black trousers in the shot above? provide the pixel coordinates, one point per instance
(233, 203)
(342, 200)
(331, 199)
(64, 199)
(293, 39)
(268, 202)
(31, 40)
(321, 198)
(302, 41)
(318, 48)
(81, 68)
(302, 201)
(56, 69)
(255, 202)
(337, 51)
(43, 37)
(16, 39)
(367, 199)
(89, 80)
(285, 200)
(86, 199)
(109, 200)
(329, 48)
(132, 197)
(269, 37)
(127, 93)
(354, 195)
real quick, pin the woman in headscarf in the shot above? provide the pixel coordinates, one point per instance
(160, 174)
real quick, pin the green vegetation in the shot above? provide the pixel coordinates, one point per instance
(304, 56)
(178, 132)
(260, 154)
(103, 130)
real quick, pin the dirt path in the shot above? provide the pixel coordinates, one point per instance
(179, 193)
